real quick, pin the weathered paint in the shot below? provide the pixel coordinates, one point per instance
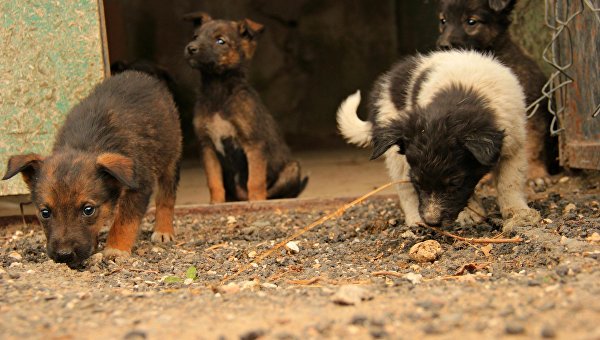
(580, 139)
(51, 55)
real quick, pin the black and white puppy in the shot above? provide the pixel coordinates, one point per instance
(443, 121)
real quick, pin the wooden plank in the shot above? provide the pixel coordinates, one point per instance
(50, 58)
(580, 140)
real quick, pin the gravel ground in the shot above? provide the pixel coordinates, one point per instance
(352, 277)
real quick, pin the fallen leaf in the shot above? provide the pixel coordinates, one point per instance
(471, 268)
(191, 273)
(487, 249)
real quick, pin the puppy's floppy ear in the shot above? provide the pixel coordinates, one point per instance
(383, 139)
(485, 146)
(502, 5)
(118, 167)
(28, 165)
(250, 29)
(197, 18)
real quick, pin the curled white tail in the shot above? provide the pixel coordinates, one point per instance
(352, 128)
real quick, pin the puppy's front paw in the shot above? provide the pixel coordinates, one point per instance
(159, 237)
(113, 253)
(468, 218)
(413, 220)
(521, 218)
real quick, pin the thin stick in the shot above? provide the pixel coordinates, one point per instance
(387, 273)
(473, 240)
(309, 227)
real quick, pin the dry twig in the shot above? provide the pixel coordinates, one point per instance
(387, 273)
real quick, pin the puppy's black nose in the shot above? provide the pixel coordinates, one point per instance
(65, 256)
(192, 49)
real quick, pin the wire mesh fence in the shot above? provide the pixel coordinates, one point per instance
(559, 16)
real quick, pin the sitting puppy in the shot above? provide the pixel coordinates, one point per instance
(244, 154)
(443, 121)
(114, 146)
(483, 25)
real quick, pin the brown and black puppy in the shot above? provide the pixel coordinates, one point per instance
(483, 25)
(244, 154)
(114, 146)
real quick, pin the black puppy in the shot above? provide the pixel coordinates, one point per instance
(443, 121)
(483, 25)
(244, 154)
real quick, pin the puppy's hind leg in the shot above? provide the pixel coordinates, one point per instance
(510, 185)
(165, 205)
(398, 169)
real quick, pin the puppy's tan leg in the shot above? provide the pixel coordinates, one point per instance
(165, 206)
(398, 169)
(510, 183)
(214, 175)
(257, 172)
(128, 216)
(537, 175)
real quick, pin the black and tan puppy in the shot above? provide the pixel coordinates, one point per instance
(114, 146)
(483, 25)
(443, 121)
(244, 154)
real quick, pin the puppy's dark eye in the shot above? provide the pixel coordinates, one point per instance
(89, 210)
(195, 37)
(442, 21)
(45, 213)
(471, 21)
(220, 41)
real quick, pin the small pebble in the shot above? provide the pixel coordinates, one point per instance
(564, 179)
(16, 256)
(231, 220)
(413, 278)
(252, 335)
(351, 295)
(568, 208)
(359, 320)
(252, 254)
(230, 288)
(426, 251)
(292, 247)
(135, 335)
(548, 332)
(268, 285)
(514, 328)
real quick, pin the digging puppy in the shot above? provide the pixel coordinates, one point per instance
(483, 25)
(443, 121)
(114, 146)
(244, 154)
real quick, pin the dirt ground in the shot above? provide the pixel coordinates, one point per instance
(331, 286)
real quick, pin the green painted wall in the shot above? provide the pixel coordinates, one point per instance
(50, 58)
